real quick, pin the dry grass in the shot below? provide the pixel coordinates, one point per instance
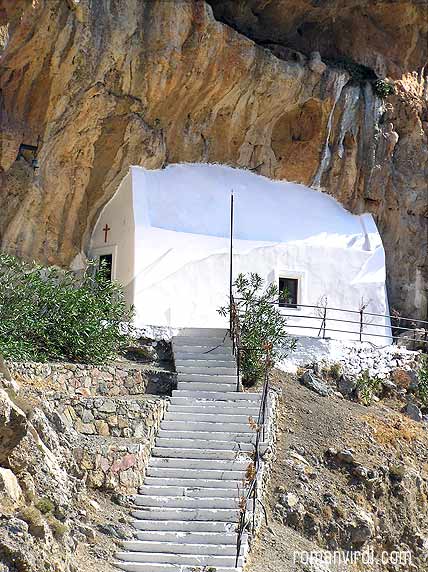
(32, 516)
(394, 430)
(250, 473)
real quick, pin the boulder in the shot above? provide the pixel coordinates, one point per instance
(347, 385)
(309, 380)
(413, 340)
(413, 411)
(362, 529)
(9, 486)
(13, 426)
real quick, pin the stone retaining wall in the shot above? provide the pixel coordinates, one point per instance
(113, 464)
(109, 380)
(353, 357)
(116, 417)
(111, 438)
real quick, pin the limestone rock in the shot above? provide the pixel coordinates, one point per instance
(347, 385)
(413, 411)
(102, 94)
(362, 529)
(316, 64)
(102, 428)
(9, 486)
(13, 426)
(309, 380)
(414, 340)
(289, 500)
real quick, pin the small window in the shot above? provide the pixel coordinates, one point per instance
(288, 292)
(106, 260)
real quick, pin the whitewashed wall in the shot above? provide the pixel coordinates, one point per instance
(179, 274)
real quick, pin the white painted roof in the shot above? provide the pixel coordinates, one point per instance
(195, 198)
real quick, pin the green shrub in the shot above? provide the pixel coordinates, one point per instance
(262, 325)
(44, 505)
(383, 88)
(32, 516)
(50, 313)
(368, 387)
(335, 371)
(422, 387)
(58, 528)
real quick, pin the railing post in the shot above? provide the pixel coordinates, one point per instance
(325, 322)
(238, 366)
(361, 324)
(254, 506)
(231, 263)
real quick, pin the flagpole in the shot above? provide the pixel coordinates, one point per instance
(231, 261)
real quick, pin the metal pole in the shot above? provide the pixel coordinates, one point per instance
(361, 324)
(325, 322)
(231, 262)
(238, 367)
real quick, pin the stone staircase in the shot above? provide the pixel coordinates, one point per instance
(186, 513)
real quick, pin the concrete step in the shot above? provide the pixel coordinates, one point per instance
(221, 407)
(203, 332)
(207, 341)
(231, 436)
(160, 513)
(220, 465)
(179, 548)
(187, 482)
(213, 396)
(197, 560)
(207, 426)
(156, 567)
(185, 526)
(190, 492)
(180, 562)
(185, 502)
(212, 474)
(197, 370)
(214, 417)
(204, 357)
(219, 538)
(208, 377)
(181, 351)
(182, 453)
(210, 386)
(204, 444)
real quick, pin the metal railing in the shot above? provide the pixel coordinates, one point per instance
(254, 468)
(235, 336)
(365, 321)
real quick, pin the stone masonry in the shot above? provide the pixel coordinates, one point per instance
(90, 380)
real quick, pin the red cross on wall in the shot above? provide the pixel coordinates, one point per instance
(106, 230)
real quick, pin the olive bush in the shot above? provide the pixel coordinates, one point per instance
(261, 325)
(47, 313)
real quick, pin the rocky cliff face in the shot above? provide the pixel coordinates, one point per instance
(100, 85)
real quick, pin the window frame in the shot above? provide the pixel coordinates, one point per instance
(294, 304)
(300, 276)
(104, 250)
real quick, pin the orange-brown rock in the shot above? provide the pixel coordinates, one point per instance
(101, 85)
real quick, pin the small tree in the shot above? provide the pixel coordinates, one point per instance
(261, 325)
(50, 313)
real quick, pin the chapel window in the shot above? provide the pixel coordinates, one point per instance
(106, 262)
(288, 292)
